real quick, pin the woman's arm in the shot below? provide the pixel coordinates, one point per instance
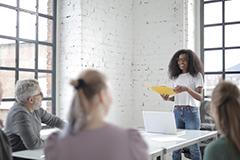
(197, 93)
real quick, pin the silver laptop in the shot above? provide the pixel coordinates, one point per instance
(160, 122)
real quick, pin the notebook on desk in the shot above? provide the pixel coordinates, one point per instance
(161, 122)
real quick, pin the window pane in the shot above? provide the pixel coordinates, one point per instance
(27, 29)
(9, 2)
(8, 16)
(26, 75)
(232, 10)
(44, 57)
(47, 105)
(7, 53)
(235, 78)
(26, 55)
(209, 66)
(230, 35)
(45, 7)
(213, 37)
(27, 24)
(8, 83)
(45, 81)
(45, 29)
(213, 13)
(4, 108)
(210, 82)
(232, 60)
(28, 4)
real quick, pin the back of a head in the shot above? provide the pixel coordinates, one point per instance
(24, 89)
(94, 81)
(90, 83)
(225, 107)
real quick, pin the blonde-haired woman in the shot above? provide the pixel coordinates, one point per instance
(88, 136)
(225, 108)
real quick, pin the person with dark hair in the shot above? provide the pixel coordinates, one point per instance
(225, 109)
(5, 147)
(88, 136)
(186, 71)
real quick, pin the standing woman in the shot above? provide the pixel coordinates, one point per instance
(185, 69)
(225, 109)
(88, 136)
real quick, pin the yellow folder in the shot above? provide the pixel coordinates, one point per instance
(163, 90)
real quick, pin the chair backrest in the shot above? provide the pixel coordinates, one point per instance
(207, 122)
(5, 148)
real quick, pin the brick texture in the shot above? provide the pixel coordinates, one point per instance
(131, 41)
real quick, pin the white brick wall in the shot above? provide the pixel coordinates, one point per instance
(132, 41)
(158, 34)
(97, 34)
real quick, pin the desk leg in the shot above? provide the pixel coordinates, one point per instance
(155, 157)
(158, 157)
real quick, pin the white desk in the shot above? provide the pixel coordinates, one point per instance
(46, 132)
(38, 153)
(30, 154)
(159, 144)
(154, 149)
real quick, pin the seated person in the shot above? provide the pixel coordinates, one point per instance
(88, 136)
(225, 109)
(1, 95)
(5, 148)
(23, 123)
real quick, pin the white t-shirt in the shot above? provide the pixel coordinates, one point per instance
(186, 79)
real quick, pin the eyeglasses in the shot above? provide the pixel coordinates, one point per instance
(182, 59)
(39, 94)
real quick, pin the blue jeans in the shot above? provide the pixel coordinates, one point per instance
(187, 117)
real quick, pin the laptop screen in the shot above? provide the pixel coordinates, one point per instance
(159, 122)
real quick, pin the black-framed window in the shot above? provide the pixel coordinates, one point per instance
(220, 43)
(28, 48)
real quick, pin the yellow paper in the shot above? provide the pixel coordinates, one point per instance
(163, 90)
